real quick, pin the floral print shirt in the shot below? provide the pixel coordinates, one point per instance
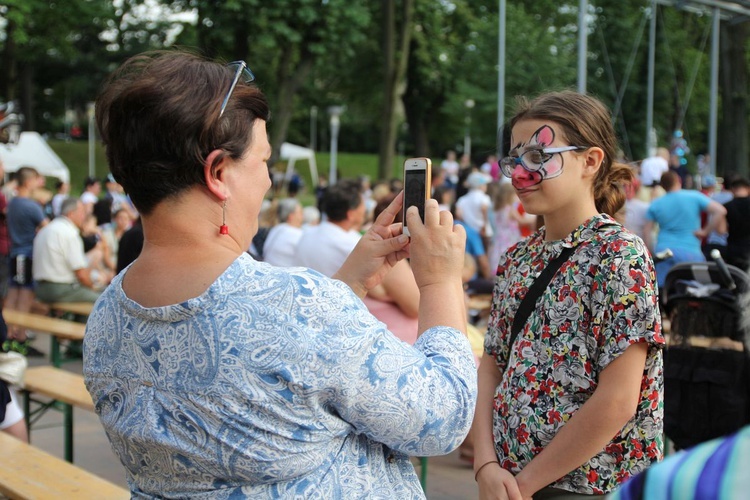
(601, 301)
(274, 383)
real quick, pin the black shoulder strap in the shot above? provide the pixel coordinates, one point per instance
(535, 291)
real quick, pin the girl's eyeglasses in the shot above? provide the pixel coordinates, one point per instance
(532, 160)
(242, 71)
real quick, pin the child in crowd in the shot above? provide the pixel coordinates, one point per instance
(572, 405)
(507, 220)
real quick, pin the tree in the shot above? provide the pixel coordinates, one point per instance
(733, 150)
(394, 71)
(281, 41)
(58, 53)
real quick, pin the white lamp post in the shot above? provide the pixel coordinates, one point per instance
(467, 136)
(335, 122)
(92, 133)
(313, 127)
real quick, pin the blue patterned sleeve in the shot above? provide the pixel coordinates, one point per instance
(418, 400)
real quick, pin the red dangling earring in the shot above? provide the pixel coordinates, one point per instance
(224, 229)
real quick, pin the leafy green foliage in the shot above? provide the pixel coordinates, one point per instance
(318, 53)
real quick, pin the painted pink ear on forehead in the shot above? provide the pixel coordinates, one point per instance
(544, 136)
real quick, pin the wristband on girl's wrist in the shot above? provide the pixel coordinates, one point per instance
(476, 474)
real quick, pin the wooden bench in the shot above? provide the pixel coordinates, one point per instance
(28, 472)
(59, 329)
(81, 308)
(66, 390)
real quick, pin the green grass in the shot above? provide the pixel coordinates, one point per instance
(75, 155)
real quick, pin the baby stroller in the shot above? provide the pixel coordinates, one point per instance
(707, 361)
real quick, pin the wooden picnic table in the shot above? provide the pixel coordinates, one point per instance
(66, 390)
(59, 329)
(29, 472)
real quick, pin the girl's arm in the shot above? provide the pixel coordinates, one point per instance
(492, 479)
(588, 431)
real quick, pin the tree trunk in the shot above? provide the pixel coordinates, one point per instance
(289, 84)
(27, 97)
(395, 67)
(733, 151)
(385, 155)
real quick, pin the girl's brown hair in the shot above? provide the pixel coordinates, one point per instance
(585, 122)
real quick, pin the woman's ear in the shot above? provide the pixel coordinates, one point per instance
(593, 156)
(213, 173)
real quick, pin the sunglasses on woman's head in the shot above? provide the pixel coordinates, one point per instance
(242, 71)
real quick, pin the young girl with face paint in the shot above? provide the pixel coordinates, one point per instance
(574, 406)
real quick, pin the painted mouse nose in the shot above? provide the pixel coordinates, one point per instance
(520, 172)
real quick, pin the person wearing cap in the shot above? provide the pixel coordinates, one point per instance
(474, 207)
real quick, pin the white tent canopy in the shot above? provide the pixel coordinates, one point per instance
(292, 153)
(33, 151)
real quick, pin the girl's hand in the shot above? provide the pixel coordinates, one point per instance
(496, 483)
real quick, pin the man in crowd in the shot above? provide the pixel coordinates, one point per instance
(738, 224)
(280, 246)
(326, 246)
(24, 218)
(678, 215)
(60, 267)
(4, 242)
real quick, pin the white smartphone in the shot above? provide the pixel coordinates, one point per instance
(417, 177)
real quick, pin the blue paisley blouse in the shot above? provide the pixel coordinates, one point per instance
(601, 301)
(276, 382)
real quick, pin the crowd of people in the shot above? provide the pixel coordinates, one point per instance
(54, 248)
(261, 348)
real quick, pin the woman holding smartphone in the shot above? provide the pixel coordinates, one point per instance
(572, 405)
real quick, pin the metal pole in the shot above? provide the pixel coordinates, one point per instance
(334, 149)
(335, 112)
(650, 143)
(467, 137)
(714, 94)
(92, 133)
(501, 78)
(582, 48)
(313, 127)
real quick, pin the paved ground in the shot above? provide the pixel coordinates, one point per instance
(448, 478)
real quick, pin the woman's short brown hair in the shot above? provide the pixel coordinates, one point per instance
(585, 121)
(158, 116)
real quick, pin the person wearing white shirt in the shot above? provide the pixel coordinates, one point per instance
(280, 246)
(91, 190)
(326, 246)
(62, 189)
(59, 263)
(653, 167)
(473, 208)
(450, 168)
